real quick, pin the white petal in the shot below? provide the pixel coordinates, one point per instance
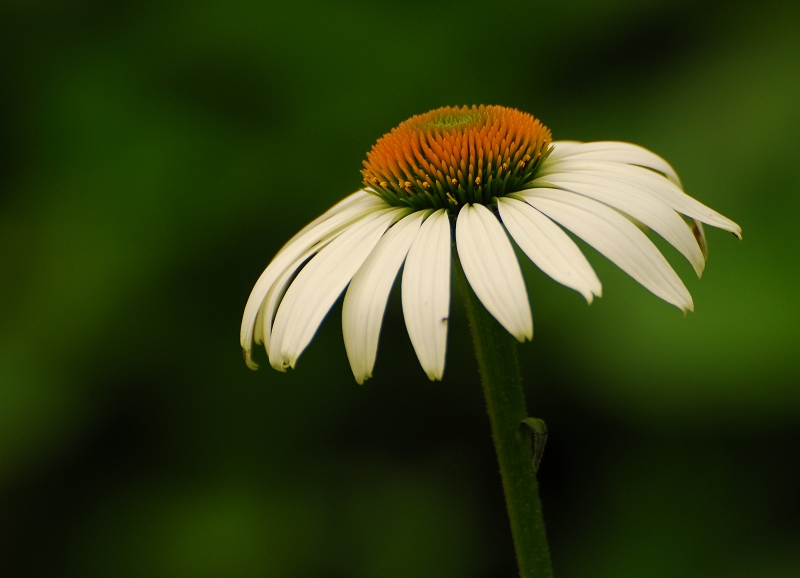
(549, 247)
(636, 202)
(492, 270)
(360, 199)
(365, 300)
(615, 237)
(562, 145)
(615, 151)
(311, 238)
(654, 183)
(266, 314)
(426, 293)
(700, 235)
(320, 283)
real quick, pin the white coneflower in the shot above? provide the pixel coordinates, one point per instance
(480, 174)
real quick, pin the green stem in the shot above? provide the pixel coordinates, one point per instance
(496, 351)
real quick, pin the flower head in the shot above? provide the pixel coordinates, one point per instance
(450, 157)
(479, 175)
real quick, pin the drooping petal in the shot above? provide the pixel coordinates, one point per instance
(361, 198)
(266, 314)
(365, 300)
(549, 247)
(426, 293)
(700, 235)
(632, 200)
(319, 284)
(653, 183)
(311, 238)
(615, 237)
(492, 270)
(613, 151)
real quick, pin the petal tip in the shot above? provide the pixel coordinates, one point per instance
(435, 375)
(590, 294)
(281, 364)
(699, 268)
(362, 377)
(248, 359)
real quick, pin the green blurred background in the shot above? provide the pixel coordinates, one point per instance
(154, 155)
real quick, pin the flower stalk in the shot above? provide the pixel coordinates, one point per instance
(496, 351)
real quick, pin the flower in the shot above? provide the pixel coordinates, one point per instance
(479, 174)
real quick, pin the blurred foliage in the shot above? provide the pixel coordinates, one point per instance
(155, 155)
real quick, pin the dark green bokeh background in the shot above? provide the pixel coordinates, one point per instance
(154, 155)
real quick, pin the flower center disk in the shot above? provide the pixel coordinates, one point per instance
(448, 157)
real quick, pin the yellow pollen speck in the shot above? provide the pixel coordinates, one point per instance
(477, 181)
